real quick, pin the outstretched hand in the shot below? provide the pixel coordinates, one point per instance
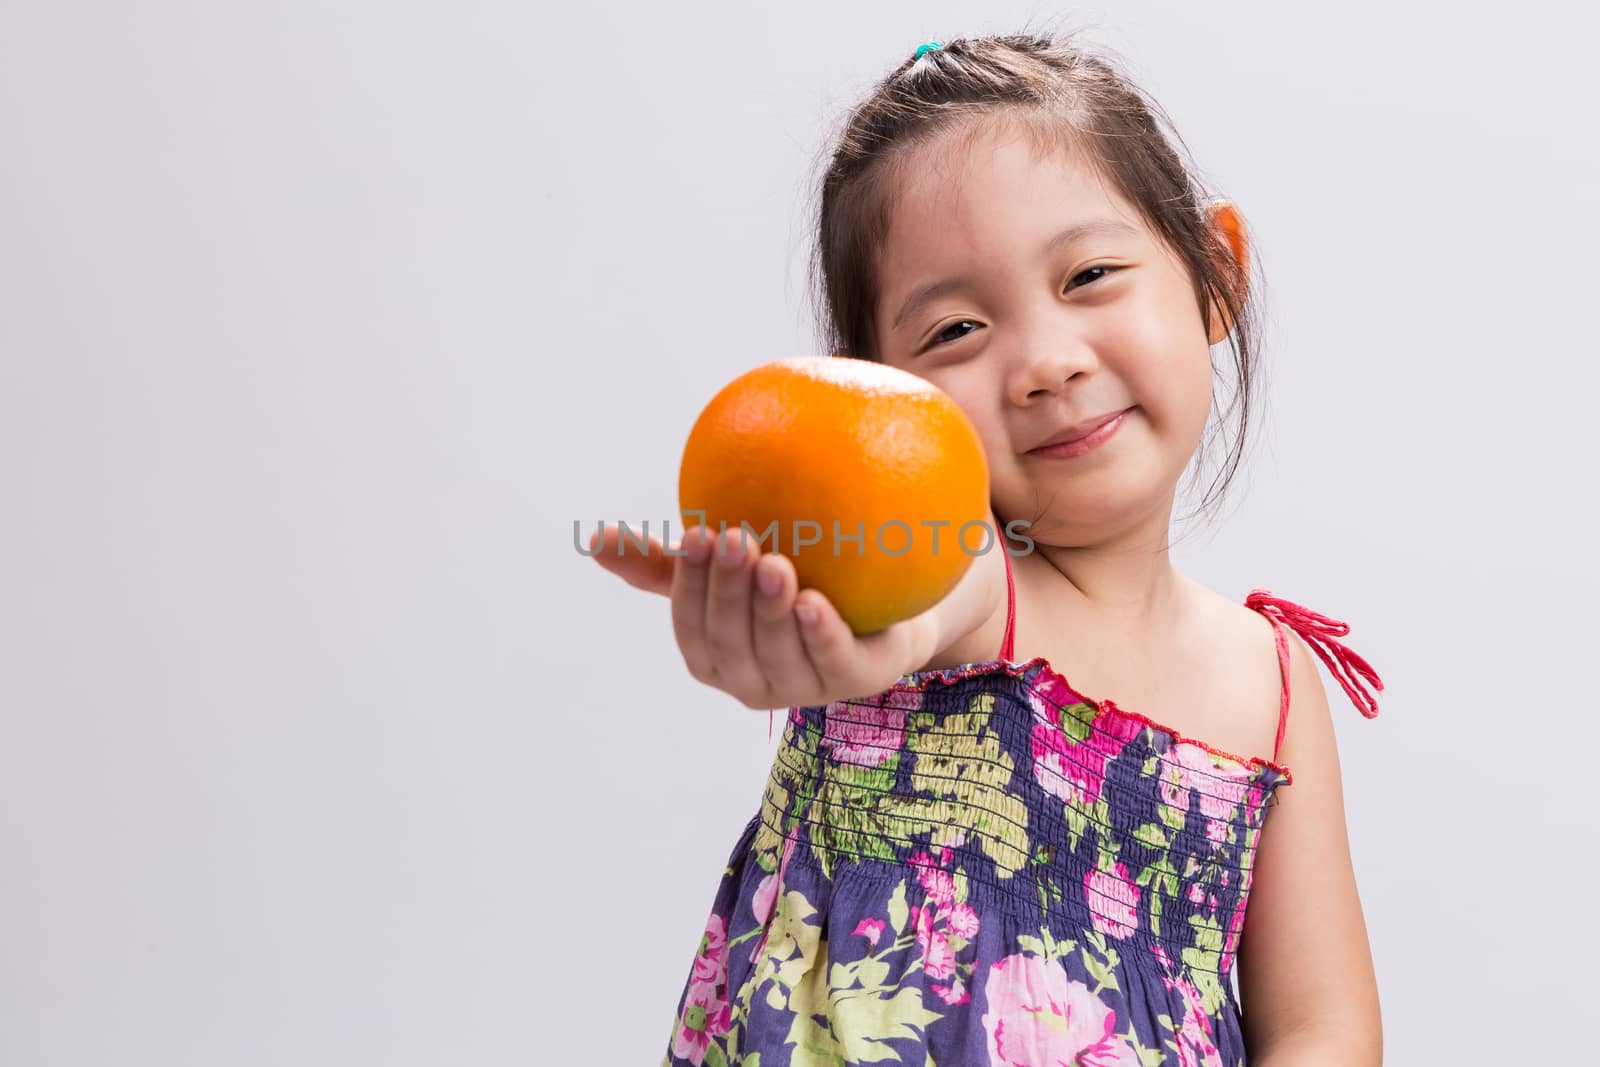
(744, 626)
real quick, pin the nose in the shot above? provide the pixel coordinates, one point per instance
(1047, 364)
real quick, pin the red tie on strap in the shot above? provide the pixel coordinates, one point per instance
(1319, 631)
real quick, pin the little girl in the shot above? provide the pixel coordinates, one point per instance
(978, 861)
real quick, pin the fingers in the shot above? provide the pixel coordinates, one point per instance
(690, 582)
(833, 649)
(754, 645)
(650, 570)
(850, 665)
(729, 635)
(779, 646)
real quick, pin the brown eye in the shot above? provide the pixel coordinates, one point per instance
(940, 338)
(1091, 270)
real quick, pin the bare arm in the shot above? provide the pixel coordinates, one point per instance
(1306, 981)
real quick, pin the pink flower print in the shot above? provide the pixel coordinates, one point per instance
(1075, 770)
(1066, 770)
(936, 882)
(705, 1015)
(868, 734)
(1196, 1045)
(1216, 831)
(1196, 894)
(1039, 1017)
(766, 893)
(938, 958)
(940, 887)
(1161, 955)
(1113, 901)
(765, 896)
(1219, 790)
(1256, 793)
(1049, 696)
(871, 929)
(954, 993)
(711, 963)
(963, 921)
(1175, 786)
(1231, 942)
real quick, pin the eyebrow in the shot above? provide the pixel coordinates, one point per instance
(1076, 232)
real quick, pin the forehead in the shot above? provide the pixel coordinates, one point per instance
(991, 193)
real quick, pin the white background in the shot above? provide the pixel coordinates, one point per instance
(320, 324)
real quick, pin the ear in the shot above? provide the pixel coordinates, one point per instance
(1229, 228)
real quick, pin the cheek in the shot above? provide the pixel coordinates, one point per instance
(1191, 387)
(1174, 383)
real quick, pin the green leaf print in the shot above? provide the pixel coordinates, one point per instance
(1078, 720)
(872, 972)
(1101, 962)
(1152, 835)
(1209, 985)
(768, 843)
(962, 777)
(845, 1024)
(791, 948)
(814, 1044)
(1204, 958)
(1045, 947)
(855, 814)
(868, 1021)
(1102, 974)
(869, 973)
(1031, 945)
(1207, 932)
(1171, 815)
(1077, 822)
(1152, 1057)
(1148, 1057)
(1168, 883)
(898, 911)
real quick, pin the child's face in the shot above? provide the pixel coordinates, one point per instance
(1028, 348)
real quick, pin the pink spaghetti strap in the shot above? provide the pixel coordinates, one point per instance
(1319, 632)
(1006, 650)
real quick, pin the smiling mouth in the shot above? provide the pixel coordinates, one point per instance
(1083, 442)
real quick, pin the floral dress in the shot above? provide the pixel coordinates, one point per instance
(983, 866)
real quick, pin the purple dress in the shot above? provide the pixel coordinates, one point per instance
(981, 865)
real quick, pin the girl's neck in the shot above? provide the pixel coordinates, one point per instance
(1125, 582)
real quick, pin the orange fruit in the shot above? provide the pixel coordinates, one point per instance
(872, 476)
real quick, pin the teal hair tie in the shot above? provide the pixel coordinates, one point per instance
(931, 46)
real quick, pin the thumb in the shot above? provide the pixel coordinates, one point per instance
(650, 570)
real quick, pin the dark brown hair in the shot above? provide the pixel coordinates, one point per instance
(1065, 97)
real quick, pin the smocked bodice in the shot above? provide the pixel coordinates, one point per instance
(1049, 804)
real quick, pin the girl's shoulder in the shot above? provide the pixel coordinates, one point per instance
(1302, 636)
(1266, 648)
